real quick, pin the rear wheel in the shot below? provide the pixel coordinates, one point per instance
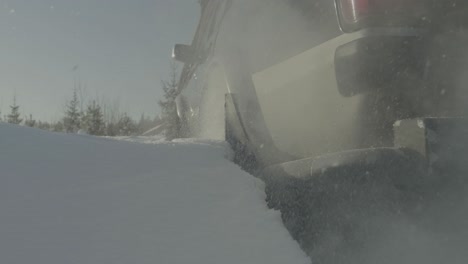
(236, 136)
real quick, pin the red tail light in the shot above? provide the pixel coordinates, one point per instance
(353, 10)
(356, 14)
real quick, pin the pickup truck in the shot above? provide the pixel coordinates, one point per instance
(347, 109)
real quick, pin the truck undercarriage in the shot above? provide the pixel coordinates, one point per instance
(381, 205)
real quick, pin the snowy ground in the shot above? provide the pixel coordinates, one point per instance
(81, 199)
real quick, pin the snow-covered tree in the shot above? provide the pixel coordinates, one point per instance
(126, 126)
(14, 116)
(93, 120)
(72, 118)
(168, 105)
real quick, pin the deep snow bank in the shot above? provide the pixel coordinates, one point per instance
(81, 199)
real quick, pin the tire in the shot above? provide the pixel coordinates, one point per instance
(237, 138)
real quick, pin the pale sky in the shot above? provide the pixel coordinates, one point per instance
(122, 49)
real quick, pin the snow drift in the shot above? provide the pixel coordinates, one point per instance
(81, 199)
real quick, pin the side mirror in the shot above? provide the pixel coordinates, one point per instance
(184, 53)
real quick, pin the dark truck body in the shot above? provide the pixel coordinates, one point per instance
(334, 104)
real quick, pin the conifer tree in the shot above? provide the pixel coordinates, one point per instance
(44, 125)
(14, 116)
(30, 122)
(168, 105)
(71, 121)
(93, 120)
(126, 126)
(111, 129)
(58, 127)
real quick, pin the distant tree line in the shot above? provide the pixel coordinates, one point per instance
(95, 117)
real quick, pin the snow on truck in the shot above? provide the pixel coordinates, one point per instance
(349, 110)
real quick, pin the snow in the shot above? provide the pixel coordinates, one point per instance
(82, 199)
(420, 123)
(81, 132)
